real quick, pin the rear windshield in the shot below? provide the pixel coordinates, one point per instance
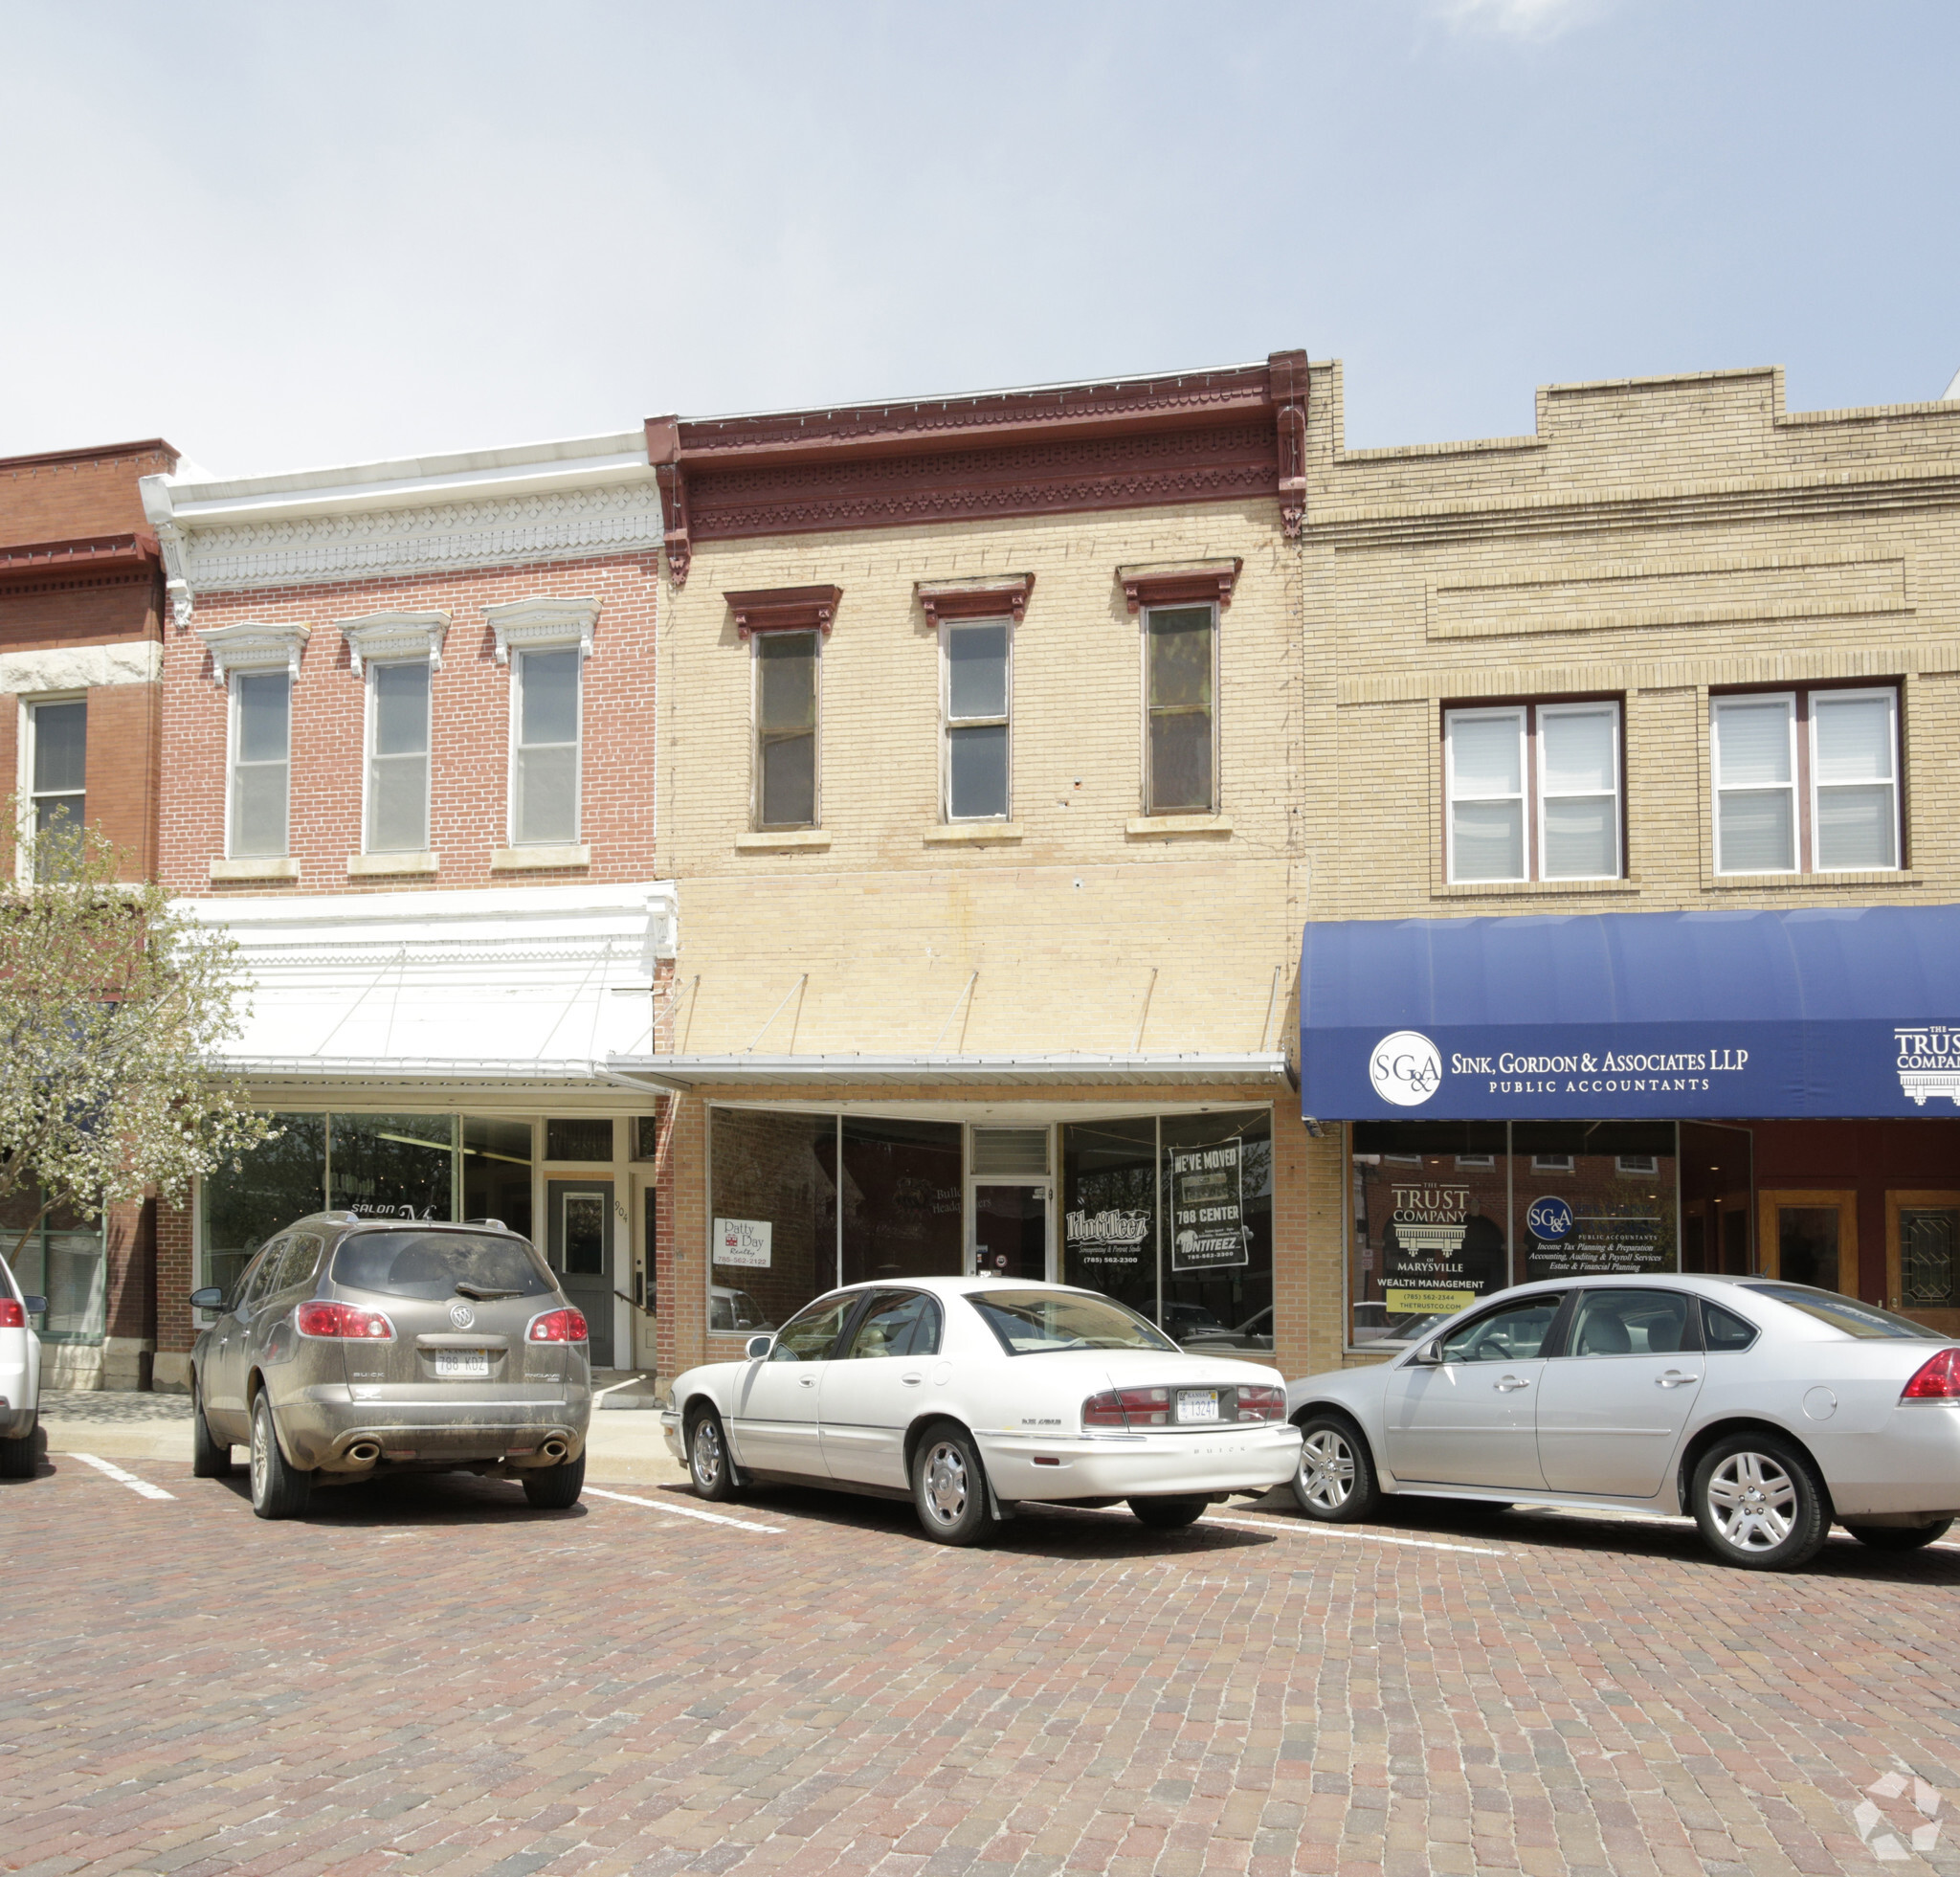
(1035, 1321)
(434, 1264)
(1865, 1321)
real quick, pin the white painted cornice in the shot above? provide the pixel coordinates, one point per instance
(584, 496)
(380, 635)
(255, 646)
(537, 625)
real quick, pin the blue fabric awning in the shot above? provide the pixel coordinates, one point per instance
(1827, 1012)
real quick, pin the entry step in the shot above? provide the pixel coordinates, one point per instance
(624, 1388)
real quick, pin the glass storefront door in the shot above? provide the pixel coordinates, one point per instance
(1010, 1231)
(1810, 1237)
(1922, 1258)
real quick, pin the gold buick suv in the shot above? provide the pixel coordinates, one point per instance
(354, 1348)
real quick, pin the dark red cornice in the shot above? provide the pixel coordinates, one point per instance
(1195, 437)
(38, 562)
(784, 609)
(988, 599)
(148, 446)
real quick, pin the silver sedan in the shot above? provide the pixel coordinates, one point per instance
(1763, 1410)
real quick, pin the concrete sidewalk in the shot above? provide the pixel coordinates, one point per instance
(621, 1448)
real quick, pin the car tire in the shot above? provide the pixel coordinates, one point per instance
(20, 1455)
(1335, 1481)
(1899, 1537)
(553, 1488)
(949, 1487)
(278, 1491)
(1759, 1503)
(209, 1459)
(709, 1470)
(1169, 1514)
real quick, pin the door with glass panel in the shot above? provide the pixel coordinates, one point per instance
(1810, 1238)
(1922, 1258)
(579, 1224)
(1010, 1209)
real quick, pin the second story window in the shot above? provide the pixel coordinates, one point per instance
(977, 680)
(261, 750)
(58, 765)
(1180, 768)
(1533, 791)
(545, 795)
(1806, 780)
(398, 757)
(786, 724)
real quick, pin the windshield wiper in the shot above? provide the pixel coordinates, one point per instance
(486, 1293)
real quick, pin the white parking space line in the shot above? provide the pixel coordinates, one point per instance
(1286, 1529)
(679, 1511)
(122, 1478)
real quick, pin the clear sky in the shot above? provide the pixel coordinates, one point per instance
(287, 234)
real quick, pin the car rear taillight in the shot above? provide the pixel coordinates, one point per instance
(343, 1319)
(1128, 1408)
(1263, 1404)
(11, 1315)
(1938, 1379)
(558, 1327)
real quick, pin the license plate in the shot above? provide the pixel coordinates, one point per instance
(470, 1362)
(1197, 1404)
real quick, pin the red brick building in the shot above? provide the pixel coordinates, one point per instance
(81, 603)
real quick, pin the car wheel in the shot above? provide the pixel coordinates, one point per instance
(708, 1457)
(1759, 1503)
(1168, 1514)
(949, 1487)
(20, 1457)
(1899, 1537)
(552, 1488)
(279, 1491)
(209, 1460)
(1336, 1481)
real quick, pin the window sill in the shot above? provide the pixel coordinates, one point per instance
(1148, 827)
(263, 866)
(425, 862)
(784, 838)
(1511, 889)
(1810, 883)
(966, 834)
(536, 859)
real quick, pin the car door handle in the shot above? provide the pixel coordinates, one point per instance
(808, 1381)
(1510, 1382)
(1674, 1378)
(911, 1381)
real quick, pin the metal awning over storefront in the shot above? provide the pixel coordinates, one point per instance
(1841, 1012)
(687, 1073)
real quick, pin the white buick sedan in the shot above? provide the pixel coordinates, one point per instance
(1765, 1410)
(968, 1396)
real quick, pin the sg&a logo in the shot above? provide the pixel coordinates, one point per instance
(1406, 1068)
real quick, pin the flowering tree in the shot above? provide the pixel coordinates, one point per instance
(112, 1007)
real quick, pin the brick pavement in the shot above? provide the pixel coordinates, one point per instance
(428, 1676)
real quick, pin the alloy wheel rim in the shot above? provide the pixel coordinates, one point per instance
(1752, 1500)
(259, 1455)
(946, 1483)
(707, 1453)
(1326, 1470)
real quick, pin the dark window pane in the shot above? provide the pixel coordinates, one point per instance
(977, 671)
(61, 746)
(786, 681)
(977, 759)
(394, 1166)
(578, 1140)
(1181, 656)
(431, 1264)
(497, 1171)
(584, 1233)
(901, 1199)
(775, 1209)
(1110, 1210)
(788, 782)
(275, 1183)
(1180, 759)
(1217, 1211)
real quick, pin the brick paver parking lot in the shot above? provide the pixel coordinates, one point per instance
(429, 1676)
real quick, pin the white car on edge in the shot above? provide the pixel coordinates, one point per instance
(20, 1378)
(969, 1395)
(1763, 1410)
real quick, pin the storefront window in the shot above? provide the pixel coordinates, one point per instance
(901, 1199)
(61, 1258)
(392, 1166)
(1448, 1211)
(497, 1171)
(775, 1211)
(246, 1202)
(1110, 1210)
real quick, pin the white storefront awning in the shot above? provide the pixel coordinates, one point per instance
(507, 987)
(686, 1073)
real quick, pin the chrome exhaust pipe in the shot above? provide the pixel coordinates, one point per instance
(365, 1453)
(553, 1450)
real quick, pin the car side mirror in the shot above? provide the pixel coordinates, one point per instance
(34, 1305)
(1430, 1355)
(209, 1297)
(759, 1347)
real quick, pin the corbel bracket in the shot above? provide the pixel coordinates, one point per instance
(1182, 583)
(784, 609)
(993, 598)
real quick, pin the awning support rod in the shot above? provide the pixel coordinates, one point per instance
(1272, 1004)
(777, 1012)
(1149, 991)
(965, 991)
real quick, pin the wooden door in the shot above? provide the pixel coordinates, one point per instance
(1810, 1238)
(1922, 1258)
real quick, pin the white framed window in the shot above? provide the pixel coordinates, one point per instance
(1636, 1166)
(258, 796)
(1476, 1160)
(1180, 723)
(56, 763)
(1806, 780)
(546, 746)
(976, 698)
(1532, 792)
(1551, 1163)
(788, 669)
(397, 784)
